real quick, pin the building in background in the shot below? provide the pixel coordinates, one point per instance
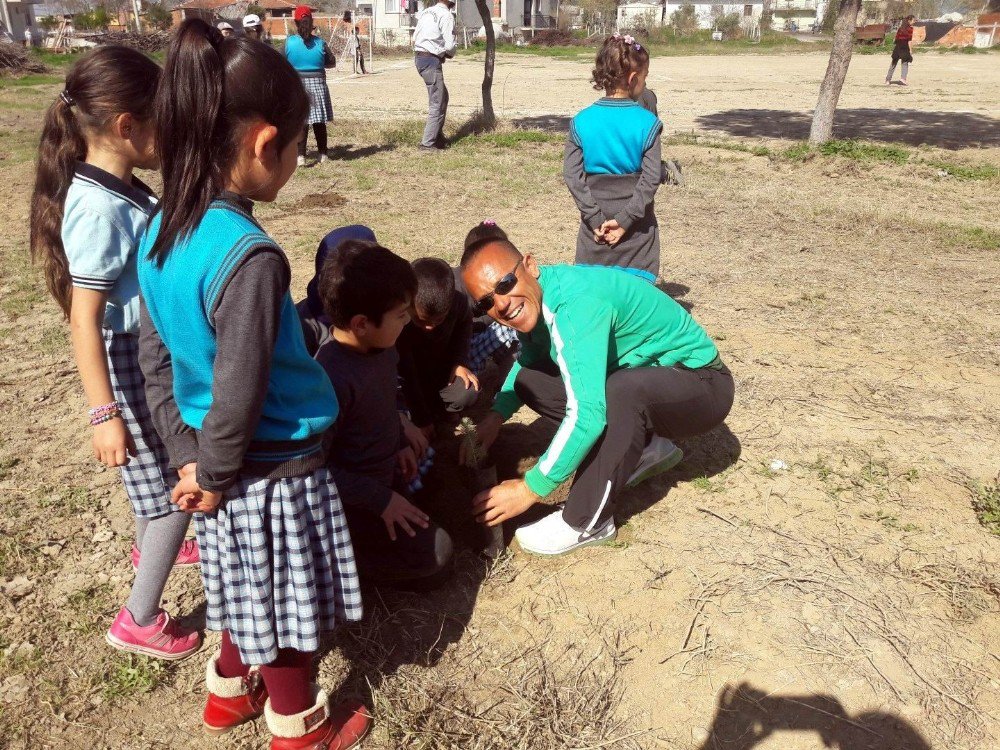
(18, 15)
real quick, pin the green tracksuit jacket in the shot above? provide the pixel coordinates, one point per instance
(595, 321)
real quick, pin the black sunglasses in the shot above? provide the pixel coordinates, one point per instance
(504, 286)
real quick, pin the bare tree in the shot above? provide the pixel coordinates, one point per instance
(836, 71)
(489, 118)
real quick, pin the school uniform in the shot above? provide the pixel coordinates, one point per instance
(233, 388)
(612, 169)
(427, 360)
(103, 221)
(362, 454)
(309, 57)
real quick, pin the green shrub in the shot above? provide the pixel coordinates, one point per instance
(684, 20)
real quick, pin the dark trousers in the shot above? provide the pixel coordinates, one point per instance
(319, 130)
(402, 563)
(673, 402)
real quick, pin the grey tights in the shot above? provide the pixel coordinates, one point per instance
(892, 69)
(159, 540)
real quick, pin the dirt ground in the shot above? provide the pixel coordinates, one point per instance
(813, 574)
(950, 96)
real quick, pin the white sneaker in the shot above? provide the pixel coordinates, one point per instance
(323, 159)
(301, 161)
(553, 536)
(659, 456)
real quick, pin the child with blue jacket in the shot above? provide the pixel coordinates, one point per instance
(612, 165)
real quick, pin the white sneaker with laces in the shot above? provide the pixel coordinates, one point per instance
(659, 456)
(301, 161)
(553, 536)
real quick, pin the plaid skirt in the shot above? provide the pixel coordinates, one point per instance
(277, 564)
(320, 108)
(487, 342)
(148, 477)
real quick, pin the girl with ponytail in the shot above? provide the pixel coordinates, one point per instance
(238, 394)
(612, 164)
(87, 214)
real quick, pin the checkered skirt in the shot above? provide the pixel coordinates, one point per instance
(320, 108)
(147, 476)
(487, 342)
(277, 564)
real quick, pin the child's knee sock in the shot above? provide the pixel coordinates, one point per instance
(160, 543)
(319, 129)
(288, 683)
(141, 525)
(230, 663)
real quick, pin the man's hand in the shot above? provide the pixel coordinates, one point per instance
(191, 498)
(404, 513)
(406, 462)
(501, 503)
(468, 377)
(488, 429)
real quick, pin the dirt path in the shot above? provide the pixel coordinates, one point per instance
(950, 92)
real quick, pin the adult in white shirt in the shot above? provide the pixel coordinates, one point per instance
(434, 42)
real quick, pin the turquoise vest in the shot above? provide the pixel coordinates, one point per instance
(181, 297)
(614, 134)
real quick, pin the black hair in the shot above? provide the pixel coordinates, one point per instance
(108, 82)
(475, 248)
(487, 229)
(364, 278)
(211, 87)
(435, 287)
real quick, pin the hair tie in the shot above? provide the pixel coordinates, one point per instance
(489, 222)
(66, 98)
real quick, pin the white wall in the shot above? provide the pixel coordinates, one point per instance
(706, 17)
(646, 15)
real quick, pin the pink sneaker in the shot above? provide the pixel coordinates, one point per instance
(187, 555)
(164, 639)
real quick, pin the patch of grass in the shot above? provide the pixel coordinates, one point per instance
(35, 79)
(865, 152)
(134, 676)
(983, 172)
(406, 133)
(986, 504)
(69, 501)
(704, 484)
(686, 139)
(516, 138)
(54, 340)
(798, 152)
(6, 464)
(965, 236)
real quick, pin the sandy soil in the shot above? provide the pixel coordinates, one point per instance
(535, 89)
(844, 596)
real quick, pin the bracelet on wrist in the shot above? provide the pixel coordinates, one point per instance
(106, 417)
(100, 411)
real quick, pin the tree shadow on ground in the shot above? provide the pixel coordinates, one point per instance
(746, 717)
(950, 130)
(477, 124)
(347, 151)
(553, 123)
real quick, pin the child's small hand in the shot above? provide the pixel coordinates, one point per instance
(186, 469)
(401, 511)
(414, 436)
(428, 431)
(612, 232)
(191, 498)
(406, 461)
(468, 377)
(112, 443)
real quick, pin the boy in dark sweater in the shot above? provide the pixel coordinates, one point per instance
(434, 348)
(367, 292)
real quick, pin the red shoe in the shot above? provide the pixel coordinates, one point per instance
(319, 727)
(232, 700)
(163, 639)
(188, 554)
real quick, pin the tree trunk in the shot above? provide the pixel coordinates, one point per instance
(836, 71)
(489, 118)
(766, 16)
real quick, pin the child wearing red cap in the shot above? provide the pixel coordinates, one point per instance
(310, 56)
